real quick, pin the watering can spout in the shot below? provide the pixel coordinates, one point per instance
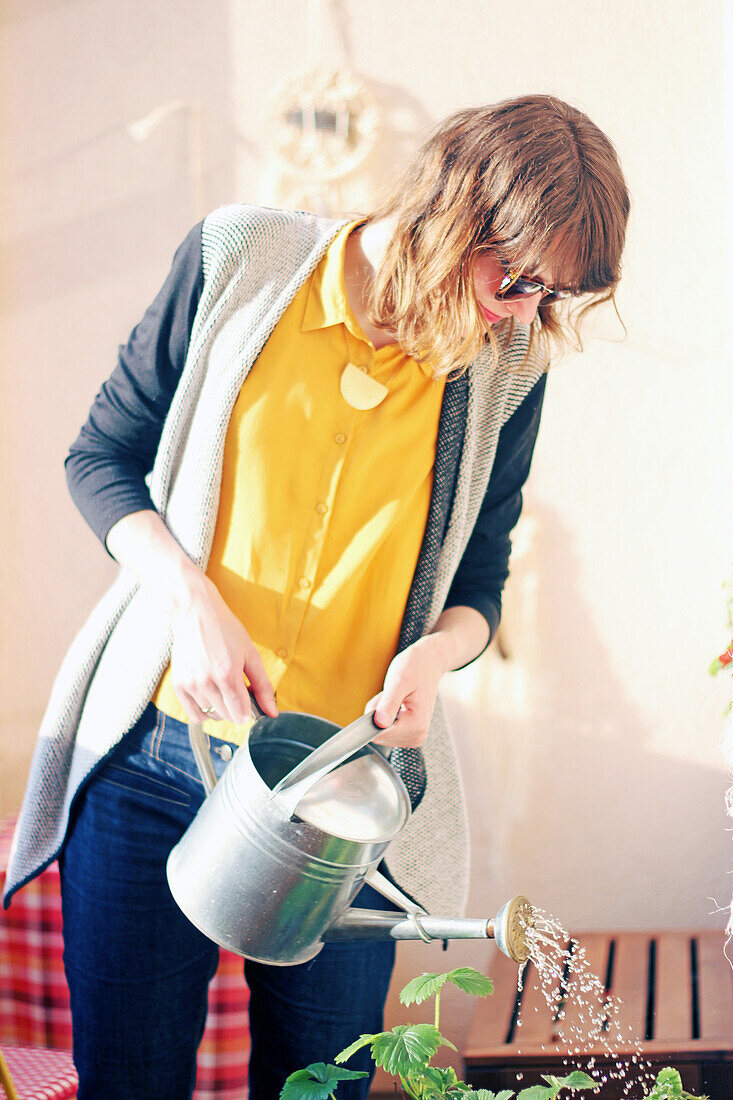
(508, 928)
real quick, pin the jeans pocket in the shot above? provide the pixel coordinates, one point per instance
(170, 749)
(143, 785)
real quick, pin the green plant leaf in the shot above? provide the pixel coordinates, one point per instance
(668, 1086)
(422, 987)
(441, 1082)
(427, 985)
(336, 1073)
(362, 1041)
(442, 1077)
(669, 1077)
(407, 1048)
(316, 1082)
(430, 1083)
(471, 981)
(575, 1080)
(487, 1094)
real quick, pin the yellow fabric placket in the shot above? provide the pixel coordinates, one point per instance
(322, 506)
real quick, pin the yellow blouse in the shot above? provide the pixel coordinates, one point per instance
(322, 506)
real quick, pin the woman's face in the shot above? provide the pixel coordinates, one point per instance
(488, 273)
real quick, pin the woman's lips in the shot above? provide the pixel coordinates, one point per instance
(492, 318)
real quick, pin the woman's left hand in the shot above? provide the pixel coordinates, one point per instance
(407, 699)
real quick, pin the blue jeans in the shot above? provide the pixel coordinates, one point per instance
(138, 970)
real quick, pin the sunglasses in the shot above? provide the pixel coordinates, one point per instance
(514, 286)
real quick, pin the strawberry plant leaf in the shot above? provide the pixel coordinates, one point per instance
(668, 1086)
(442, 1077)
(442, 1083)
(487, 1094)
(574, 1080)
(669, 1078)
(427, 985)
(362, 1041)
(316, 1082)
(336, 1073)
(407, 1048)
(579, 1080)
(471, 981)
(304, 1089)
(422, 987)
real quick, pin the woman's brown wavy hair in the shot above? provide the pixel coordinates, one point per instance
(532, 179)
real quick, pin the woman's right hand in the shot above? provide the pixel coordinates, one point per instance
(211, 654)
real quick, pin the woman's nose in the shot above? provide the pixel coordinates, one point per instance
(525, 309)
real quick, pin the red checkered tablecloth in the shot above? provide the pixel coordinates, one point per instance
(34, 997)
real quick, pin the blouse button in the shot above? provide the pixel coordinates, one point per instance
(321, 508)
(282, 653)
(340, 437)
(304, 583)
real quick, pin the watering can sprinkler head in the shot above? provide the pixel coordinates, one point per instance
(509, 928)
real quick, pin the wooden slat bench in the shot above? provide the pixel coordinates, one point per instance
(677, 994)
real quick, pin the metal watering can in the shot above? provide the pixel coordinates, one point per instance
(297, 824)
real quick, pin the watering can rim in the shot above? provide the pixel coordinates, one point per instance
(342, 744)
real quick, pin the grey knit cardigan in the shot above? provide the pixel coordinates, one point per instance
(254, 262)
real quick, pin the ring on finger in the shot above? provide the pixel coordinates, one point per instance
(210, 711)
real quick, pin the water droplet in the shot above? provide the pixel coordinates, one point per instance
(571, 989)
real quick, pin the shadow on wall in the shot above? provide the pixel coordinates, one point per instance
(95, 248)
(567, 803)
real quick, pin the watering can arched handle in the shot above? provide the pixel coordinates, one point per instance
(200, 748)
(339, 747)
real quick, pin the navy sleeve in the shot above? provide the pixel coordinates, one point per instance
(484, 568)
(114, 451)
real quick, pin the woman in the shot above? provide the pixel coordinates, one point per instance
(336, 530)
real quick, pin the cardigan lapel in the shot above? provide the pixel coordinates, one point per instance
(410, 763)
(448, 450)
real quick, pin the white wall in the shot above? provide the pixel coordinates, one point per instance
(601, 773)
(90, 220)
(594, 778)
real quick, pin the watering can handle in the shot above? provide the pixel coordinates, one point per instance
(344, 743)
(388, 890)
(200, 748)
